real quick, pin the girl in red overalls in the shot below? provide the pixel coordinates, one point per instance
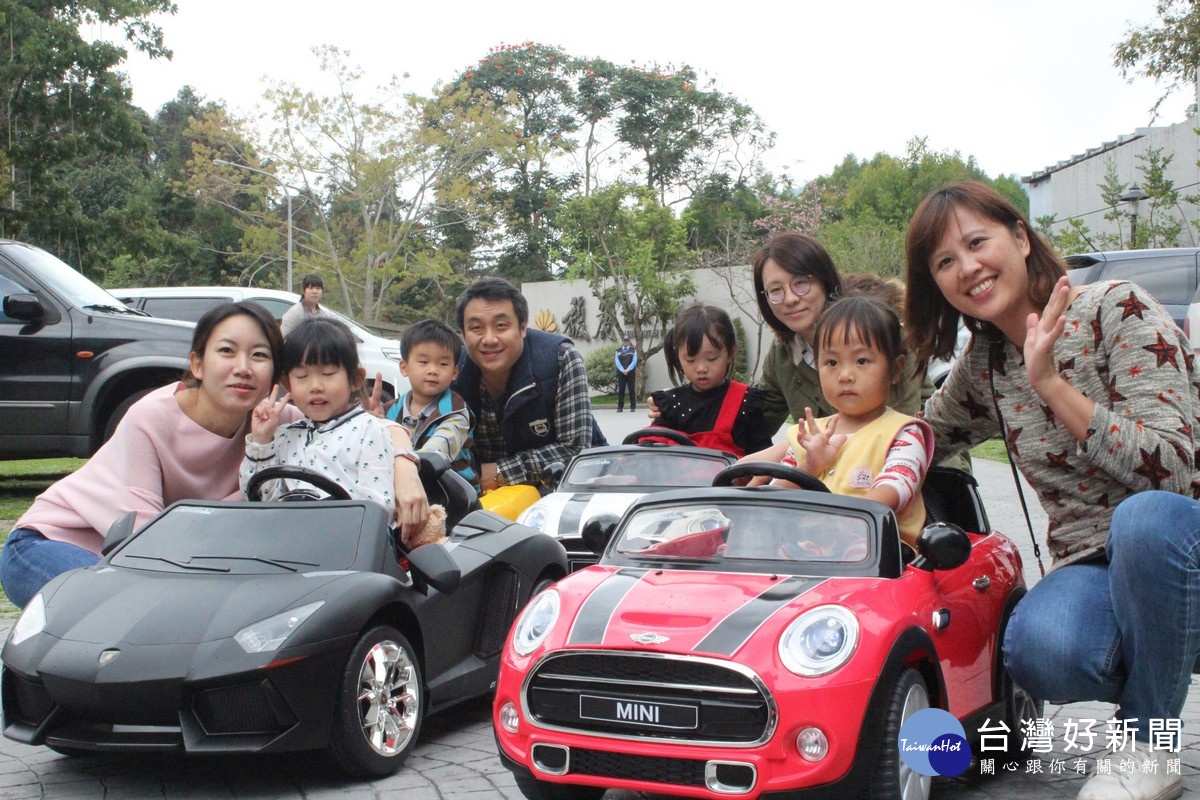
(710, 408)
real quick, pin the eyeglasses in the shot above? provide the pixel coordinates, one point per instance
(800, 287)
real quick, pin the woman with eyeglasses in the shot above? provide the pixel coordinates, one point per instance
(794, 279)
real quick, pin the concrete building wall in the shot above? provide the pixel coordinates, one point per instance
(1071, 188)
(574, 311)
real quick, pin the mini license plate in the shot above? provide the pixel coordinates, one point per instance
(640, 713)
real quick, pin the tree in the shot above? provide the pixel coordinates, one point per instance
(1168, 51)
(380, 178)
(721, 222)
(531, 85)
(628, 247)
(684, 133)
(67, 114)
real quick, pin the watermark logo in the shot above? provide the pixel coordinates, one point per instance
(933, 742)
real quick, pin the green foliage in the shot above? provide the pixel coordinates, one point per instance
(741, 362)
(67, 118)
(602, 369)
(629, 248)
(864, 244)
(1071, 237)
(529, 85)
(1167, 51)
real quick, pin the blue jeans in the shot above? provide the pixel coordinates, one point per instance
(1125, 632)
(29, 561)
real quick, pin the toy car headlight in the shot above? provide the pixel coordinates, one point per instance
(32, 620)
(268, 634)
(536, 622)
(819, 641)
(534, 517)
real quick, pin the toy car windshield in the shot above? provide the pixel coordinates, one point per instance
(236, 540)
(648, 468)
(734, 532)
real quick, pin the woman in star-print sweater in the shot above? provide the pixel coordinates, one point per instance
(1097, 388)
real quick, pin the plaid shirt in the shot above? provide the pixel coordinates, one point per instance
(572, 421)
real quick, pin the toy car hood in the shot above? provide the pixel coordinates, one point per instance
(684, 611)
(111, 607)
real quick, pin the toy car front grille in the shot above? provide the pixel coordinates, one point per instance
(245, 708)
(651, 697)
(653, 769)
(30, 700)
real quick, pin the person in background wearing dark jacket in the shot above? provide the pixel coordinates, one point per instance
(626, 362)
(527, 388)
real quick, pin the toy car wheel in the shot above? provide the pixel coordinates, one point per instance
(893, 778)
(380, 705)
(534, 789)
(1019, 708)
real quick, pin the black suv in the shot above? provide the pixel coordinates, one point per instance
(1169, 275)
(72, 358)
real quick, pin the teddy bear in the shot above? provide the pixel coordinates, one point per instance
(434, 529)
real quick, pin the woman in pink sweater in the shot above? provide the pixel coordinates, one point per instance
(181, 442)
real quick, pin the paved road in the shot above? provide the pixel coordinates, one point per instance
(456, 757)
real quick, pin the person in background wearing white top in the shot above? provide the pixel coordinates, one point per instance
(309, 307)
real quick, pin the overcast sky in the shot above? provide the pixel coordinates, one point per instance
(1019, 84)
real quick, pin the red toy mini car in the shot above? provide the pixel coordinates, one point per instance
(768, 642)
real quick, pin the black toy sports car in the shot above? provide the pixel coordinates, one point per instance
(266, 627)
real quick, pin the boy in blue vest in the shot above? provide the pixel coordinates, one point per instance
(434, 415)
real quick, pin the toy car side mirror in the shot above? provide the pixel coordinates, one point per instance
(433, 566)
(944, 545)
(598, 530)
(118, 532)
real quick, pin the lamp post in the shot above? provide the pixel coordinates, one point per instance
(1133, 195)
(286, 190)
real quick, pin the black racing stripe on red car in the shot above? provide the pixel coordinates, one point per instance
(572, 514)
(733, 631)
(597, 610)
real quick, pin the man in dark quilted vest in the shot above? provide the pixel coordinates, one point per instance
(527, 388)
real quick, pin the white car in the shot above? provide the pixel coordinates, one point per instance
(606, 481)
(189, 303)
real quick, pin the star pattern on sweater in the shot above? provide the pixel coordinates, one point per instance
(1152, 468)
(1114, 396)
(1132, 307)
(1060, 461)
(1064, 366)
(975, 408)
(1164, 351)
(1013, 435)
(999, 363)
(1097, 329)
(960, 435)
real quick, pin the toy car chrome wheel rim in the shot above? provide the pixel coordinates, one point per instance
(389, 699)
(913, 785)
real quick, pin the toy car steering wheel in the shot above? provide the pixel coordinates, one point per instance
(670, 434)
(769, 469)
(311, 477)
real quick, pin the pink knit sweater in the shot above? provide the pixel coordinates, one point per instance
(156, 456)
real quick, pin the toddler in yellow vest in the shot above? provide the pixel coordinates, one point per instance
(866, 449)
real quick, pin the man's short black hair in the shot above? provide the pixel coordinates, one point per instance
(312, 280)
(430, 330)
(492, 289)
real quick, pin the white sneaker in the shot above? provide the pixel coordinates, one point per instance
(1148, 780)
